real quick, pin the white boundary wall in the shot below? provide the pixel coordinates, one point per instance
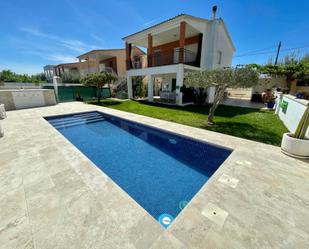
(294, 112)
(26, 98)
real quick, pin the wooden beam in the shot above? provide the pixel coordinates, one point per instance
(150, 51)
(128, 55)
(175, 44)
(182, 41)
(199, 50)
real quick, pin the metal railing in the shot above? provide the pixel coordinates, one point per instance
(174, 56)
(167, 57)
(108, 69)
(137, 64)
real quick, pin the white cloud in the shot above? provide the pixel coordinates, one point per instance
(61, 58)
(98, 39)
(54, 57)
(72, 44)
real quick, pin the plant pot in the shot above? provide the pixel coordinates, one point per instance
(294, 147)
(270, 105)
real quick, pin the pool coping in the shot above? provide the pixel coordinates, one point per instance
(250, 167)
(148, 127)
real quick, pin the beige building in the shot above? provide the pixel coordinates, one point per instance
(111, 60)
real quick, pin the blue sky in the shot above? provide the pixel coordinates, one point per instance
(36, 33)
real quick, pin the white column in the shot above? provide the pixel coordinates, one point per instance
(56, 80)
(211, 92)
(150, 87)
(209, 42)
(129, 85)
(50, 76)
(179, 83)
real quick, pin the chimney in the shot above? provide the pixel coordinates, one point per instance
(214, 11)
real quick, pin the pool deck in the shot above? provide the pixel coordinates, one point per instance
(52, 196)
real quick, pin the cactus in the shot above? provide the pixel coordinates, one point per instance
(302, 127)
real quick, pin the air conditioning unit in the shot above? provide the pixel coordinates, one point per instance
(2, 112)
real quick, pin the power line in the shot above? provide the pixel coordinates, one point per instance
(258, 50)
(288, 49)
(266, 52)
(269, 51)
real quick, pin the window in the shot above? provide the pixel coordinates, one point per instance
(219, 57)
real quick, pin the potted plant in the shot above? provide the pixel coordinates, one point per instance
(297, 144)
(78, 96)
(269, 98)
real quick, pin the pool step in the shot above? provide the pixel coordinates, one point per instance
(82, 115)
(78, 122)
(75, 117)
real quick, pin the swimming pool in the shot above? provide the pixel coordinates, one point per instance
(161, 171)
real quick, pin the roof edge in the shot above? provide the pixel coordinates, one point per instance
(168, 20)
(228, 34)
(100, 50)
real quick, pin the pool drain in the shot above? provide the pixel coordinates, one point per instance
(165, 220)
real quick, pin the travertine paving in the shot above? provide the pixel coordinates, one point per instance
(52, 196)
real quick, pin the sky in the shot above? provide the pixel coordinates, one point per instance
(35, 33)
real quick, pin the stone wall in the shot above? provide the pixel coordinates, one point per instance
(6, 98)
(265, 83)
(49, 97)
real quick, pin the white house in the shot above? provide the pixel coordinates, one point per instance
(175, 46)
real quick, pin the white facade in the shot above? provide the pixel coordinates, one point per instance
(214, 48)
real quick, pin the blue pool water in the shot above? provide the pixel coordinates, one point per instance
(159, 170)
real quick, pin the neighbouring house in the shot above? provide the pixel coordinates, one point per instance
(111, 60)
(50, 72)
(182, 43)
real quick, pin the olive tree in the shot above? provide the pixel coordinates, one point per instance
(221, 79)
(98, 80)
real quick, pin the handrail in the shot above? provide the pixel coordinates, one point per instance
(169, 57)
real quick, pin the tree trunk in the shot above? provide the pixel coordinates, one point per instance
(218, 98)
(211, 114)
(99, 95)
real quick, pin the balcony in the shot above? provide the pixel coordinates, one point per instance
(137, 63)
(169, 57)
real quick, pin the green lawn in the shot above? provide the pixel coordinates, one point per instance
(258, 125)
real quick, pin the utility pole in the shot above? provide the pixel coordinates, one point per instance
(278, 51)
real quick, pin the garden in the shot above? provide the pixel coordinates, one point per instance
(254, 124)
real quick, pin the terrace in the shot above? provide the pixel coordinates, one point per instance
(53, 196)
